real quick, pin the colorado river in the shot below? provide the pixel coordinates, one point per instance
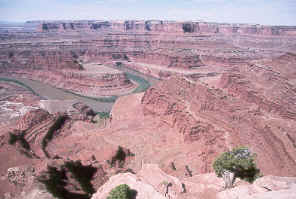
(49, 92)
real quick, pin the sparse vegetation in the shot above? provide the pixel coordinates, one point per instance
(239, 162)
(120, 157)
(189, 172)
(104, 115)
(49, 135)
(173, 166)
(122, 191)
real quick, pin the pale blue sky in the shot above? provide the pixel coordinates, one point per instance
(272, 12)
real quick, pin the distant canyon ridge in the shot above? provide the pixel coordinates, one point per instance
(157, 26)
(183, 91)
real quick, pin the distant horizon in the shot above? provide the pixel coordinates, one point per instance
(178, 21)
(263, 12)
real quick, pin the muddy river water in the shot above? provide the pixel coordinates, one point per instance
(49, 92)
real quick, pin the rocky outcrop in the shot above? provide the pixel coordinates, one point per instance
(32, 118)
(214, 118)
(154, 183)
(263, 188)
(154, 26)
(15, 102)
(143, 190)
(150, 182)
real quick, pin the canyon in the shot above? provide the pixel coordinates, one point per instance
(142, 102)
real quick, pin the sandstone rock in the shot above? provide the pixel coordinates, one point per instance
(274, 183)
(19, 176)
(264, 187)
(282, 194)
(165, 184)
(37, 193)
(155, 26)
(144, 190)
(214, 118)
(32, 118)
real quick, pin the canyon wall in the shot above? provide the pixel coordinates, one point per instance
(214, 120)
(156, 48)
(158, 26)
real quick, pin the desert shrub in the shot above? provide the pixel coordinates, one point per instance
(189, 172)
(82, 174)
(120, 157)
(104, 115)
(240, 161)
(173, 166)
(100, 116)
(122, 191)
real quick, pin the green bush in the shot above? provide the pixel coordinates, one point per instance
(122, 192)
(119, 156)
(104, 115)
(240, 161)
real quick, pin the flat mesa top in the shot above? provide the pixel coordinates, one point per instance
(97, 68)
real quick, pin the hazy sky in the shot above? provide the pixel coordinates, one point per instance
(273, 12)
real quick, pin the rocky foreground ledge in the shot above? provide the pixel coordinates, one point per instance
(152, 182)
